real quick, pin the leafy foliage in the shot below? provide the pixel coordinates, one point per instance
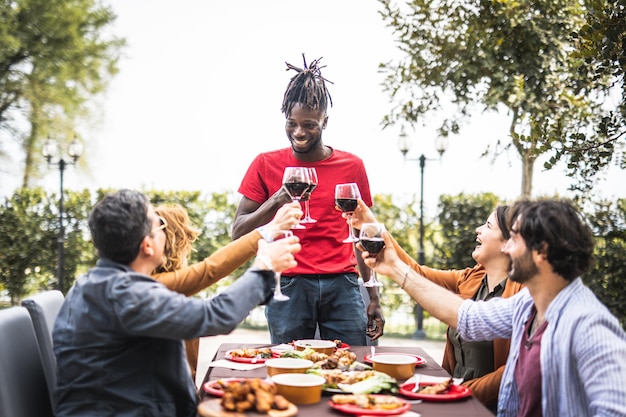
(608, 274)
(459, 216)
(494, 55)
(54, 56)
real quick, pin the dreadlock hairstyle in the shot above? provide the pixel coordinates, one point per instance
(307, 87)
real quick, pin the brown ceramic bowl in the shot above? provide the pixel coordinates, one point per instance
(287, 366)
(396, 366)
(322, 346)
(300, 388)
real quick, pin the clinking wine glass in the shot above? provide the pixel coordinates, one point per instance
(346, 198)
(296, 183)
(274, 236)
(372, 241)
(313, 181)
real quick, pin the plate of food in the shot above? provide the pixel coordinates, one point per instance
(418, 359)
(436, 391)
(355, 382)
(250, 355)
(248, 397)
(369, 404)
(217, 386)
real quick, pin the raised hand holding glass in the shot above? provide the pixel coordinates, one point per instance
(274, 236)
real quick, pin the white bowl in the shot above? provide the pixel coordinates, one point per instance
(322, 346)
(299, 388)
(287, 366)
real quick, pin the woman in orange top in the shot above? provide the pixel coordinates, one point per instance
(177, 275)
(480, 364)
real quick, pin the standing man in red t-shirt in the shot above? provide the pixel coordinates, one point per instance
(323, 288)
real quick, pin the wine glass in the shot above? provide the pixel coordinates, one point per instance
(313, 181)
(274, 236)
(296, 183)
(346, 197)
(372, 241)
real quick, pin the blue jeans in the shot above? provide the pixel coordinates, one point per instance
(332, 302)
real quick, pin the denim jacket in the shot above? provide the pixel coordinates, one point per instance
(118, 341)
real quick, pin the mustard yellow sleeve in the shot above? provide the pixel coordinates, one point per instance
(224, 261)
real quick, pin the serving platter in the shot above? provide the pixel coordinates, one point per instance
(360, 411)
(453, 393)
(213, 408)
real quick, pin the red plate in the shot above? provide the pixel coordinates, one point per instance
(418, 359)
(455, 392)
(353, 409)
(214, 387)
(242, 359)
(344, 346)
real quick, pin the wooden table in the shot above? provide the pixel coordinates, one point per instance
(469, 407)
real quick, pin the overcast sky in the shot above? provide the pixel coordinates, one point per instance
(200, 87)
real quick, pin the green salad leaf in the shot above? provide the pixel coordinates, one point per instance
(375, 384)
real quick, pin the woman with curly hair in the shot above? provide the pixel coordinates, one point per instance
(176, 273)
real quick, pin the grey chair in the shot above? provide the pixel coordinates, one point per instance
(43, 308)
(23, 387)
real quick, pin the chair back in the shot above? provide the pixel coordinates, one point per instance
(44, 308)
(23, 386)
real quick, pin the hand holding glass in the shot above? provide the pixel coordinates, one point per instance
(296, 183)
(274, 236)
(346, 198)
(372, 241)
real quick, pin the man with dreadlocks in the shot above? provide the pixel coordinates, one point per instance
(323, 289)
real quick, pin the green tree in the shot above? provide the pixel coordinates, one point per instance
(54, 56)
(27, 242)
(607, 275)
(600, 54)
(459, 216)
(494, 55)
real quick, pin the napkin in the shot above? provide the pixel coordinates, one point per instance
(432, 379)
(239, 366)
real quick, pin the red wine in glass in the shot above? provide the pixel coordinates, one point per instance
(296, 183)
(307, 196)
(346, 198)
(372, 241)
(346, 204)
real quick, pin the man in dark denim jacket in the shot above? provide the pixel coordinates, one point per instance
(118, 336)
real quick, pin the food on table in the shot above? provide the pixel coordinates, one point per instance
(251, 353)
(437, 388)
(252, 394)
(357, 382)
(369, 402)
(339, 359)
(338, 343)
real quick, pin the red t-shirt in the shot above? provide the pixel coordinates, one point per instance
(323, 251)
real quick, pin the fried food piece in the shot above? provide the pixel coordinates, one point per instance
(437, 388)
(280, 402)
(369, 402)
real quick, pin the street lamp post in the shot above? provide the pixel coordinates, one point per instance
(49, 151)
(404, 145)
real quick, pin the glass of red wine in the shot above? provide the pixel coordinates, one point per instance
(274, 236)
(346, 197)
(313, 181)
(296, 183)
(372, 241)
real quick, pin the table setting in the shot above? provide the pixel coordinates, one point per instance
(350, 381)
